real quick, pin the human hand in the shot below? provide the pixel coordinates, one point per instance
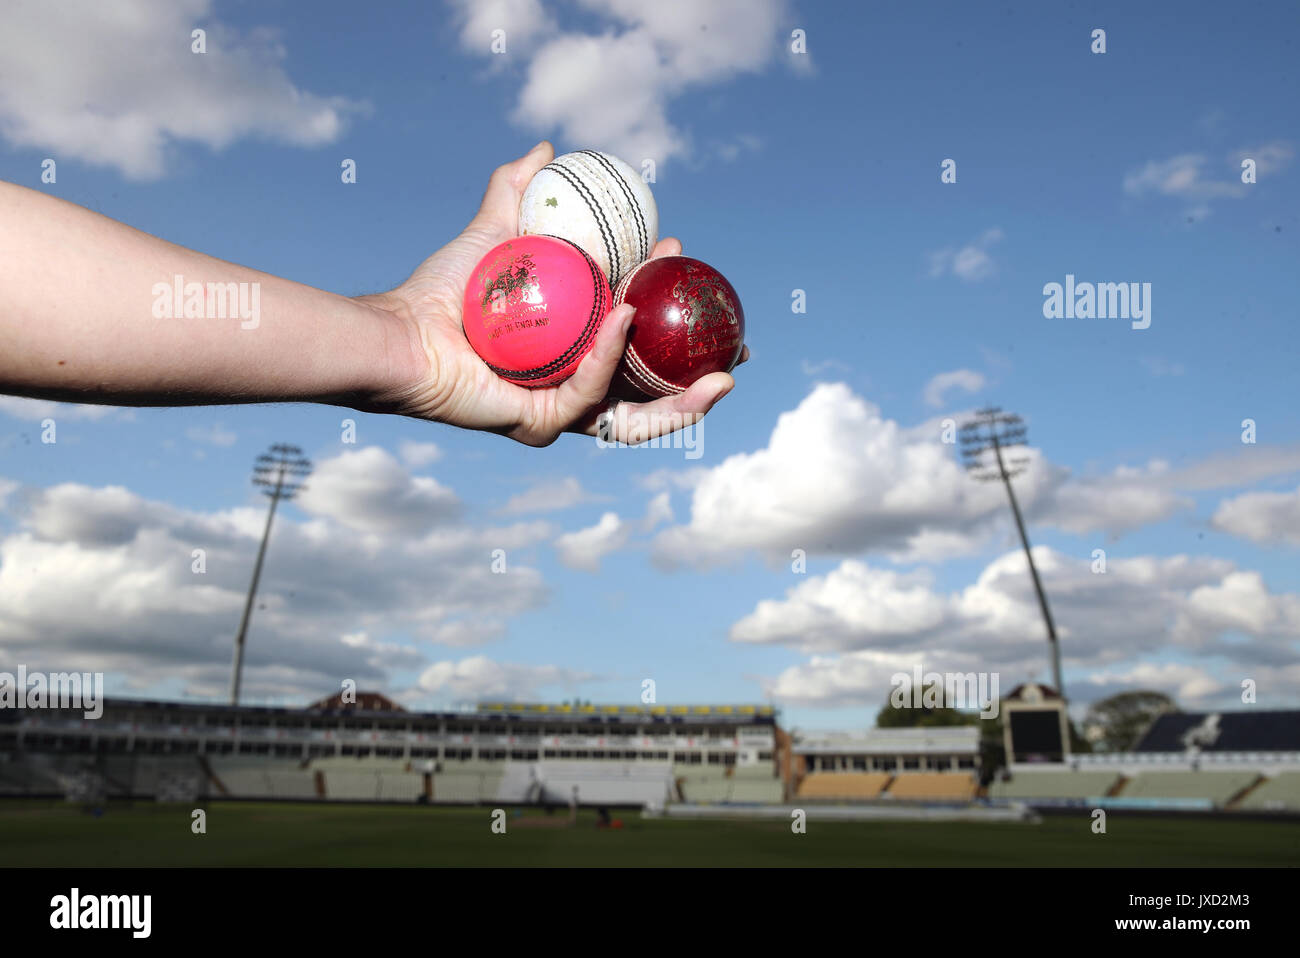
(437, 375)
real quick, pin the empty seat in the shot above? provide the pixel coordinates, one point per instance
(767, 790)
(1281, 792)
(1218, 787)
(843, 785)
(1054, 784)
(933, 786)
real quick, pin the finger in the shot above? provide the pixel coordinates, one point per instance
(744, 356)
(668, 246)
(499, 210)
(640, 422)
(590, 382)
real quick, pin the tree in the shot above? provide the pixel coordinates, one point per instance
(924, 716)
(991, 750)
(1115, 724)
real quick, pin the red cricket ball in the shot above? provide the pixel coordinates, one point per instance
(688, 324)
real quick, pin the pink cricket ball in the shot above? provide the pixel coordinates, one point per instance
(532, 309)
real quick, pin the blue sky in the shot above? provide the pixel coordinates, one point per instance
(816, 171)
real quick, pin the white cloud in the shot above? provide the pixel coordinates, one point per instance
(814, 369)
(602, 91)
(585, 548)
(1181, 682)
(971, 262)
(102, 579)
(854, 599)
(965, 379)
(658, 511)
(665, 479)
(1188, 177)
(478, 678)
(859, 625)
(612, 89)
(382, 655)
(36, 410)
(1264, 517)
(550, 496)
(1251, 464)
(1116, 503)
(470, 631)
(107, 516)
(732, 150)
(1269, 157)
(995, 360)
(77, 99)
(936, 545)
(369, 491)
(706, 40)
(1241, 601)
(521, 20)
(838, 478)
(852, 679)
(1177, 176)
(417, 455)
(215, 435)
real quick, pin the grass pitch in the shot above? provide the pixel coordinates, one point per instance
(253, 834)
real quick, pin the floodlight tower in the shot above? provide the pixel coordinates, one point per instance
(280, 473)
(992, 429)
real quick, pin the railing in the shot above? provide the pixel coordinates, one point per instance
(1181, 761)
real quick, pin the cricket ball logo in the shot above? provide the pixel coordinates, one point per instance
(511, 282)
(709, 314)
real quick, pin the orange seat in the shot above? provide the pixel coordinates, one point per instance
(845, 785)
(934, 786)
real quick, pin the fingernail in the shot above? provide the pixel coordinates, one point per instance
(627, 320)
(540, 144)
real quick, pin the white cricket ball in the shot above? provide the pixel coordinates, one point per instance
(598, 202)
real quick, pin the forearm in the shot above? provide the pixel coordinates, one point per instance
(89, 313)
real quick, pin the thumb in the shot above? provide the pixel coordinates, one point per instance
(589, 383)
(499, 210)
